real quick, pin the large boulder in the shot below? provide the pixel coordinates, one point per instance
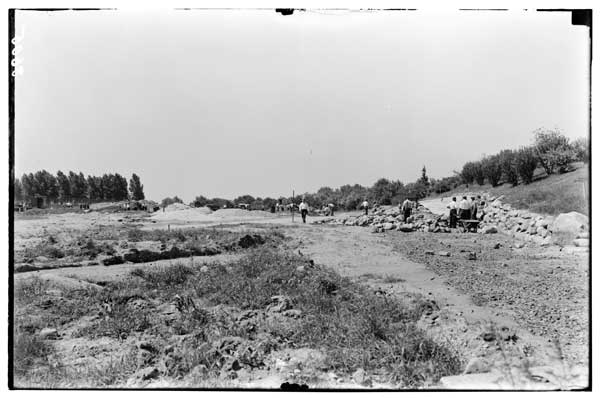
(571, 223)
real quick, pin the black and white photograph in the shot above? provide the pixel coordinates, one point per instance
(299, 199)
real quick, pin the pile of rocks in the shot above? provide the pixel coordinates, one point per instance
(381, 220)
(533, 227)
(495, 217)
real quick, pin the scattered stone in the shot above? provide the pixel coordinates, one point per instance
(49, 334)
(279, 304)
(497, 245)
(491, 229)
(360, 377)
(472, 256)
(148, 373)
(477, 365)
(583, 235)
(488, 336)
(443, 254)
(203, 269)
(519, 245)
(292, 313)
(300, 268)
(429, 252)
(387, 226)
(581, 242)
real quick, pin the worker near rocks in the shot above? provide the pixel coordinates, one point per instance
(406, 208)
(474, 204)
(303, 207)
(453, 206)
(464, 209)
(331, 207)
(365, 205)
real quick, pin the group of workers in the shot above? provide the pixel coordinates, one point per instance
(466, 209)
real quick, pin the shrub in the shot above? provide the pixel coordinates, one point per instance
(526, 163)
(581, 149)
(553, 150)
(508, 163)
(492, 169)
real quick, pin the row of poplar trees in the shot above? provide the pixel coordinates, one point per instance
(75, 187)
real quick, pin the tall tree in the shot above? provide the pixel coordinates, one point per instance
(78, 186)
(424, 179)
(29, 188)
(46, 185)
(64, 186)
(18, 190)
(136, 188)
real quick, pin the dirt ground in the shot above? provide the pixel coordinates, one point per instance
(537, 297)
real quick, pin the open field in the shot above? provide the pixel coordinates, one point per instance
(254, 300)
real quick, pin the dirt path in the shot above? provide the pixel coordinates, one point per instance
(454, 284)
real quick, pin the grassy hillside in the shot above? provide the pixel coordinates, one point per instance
(552, 194)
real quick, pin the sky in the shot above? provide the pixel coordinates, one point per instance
(223, 103)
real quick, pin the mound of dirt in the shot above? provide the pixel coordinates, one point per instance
(241, 213)
(189, 214)
(176, 207)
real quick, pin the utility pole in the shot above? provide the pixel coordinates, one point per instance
(293, 194)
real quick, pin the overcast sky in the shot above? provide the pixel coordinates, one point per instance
(225, 103)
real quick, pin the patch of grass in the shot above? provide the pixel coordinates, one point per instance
(392, 279)
(347, 320)
(165, 276)
(29, 351)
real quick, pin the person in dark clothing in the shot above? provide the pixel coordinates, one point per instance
(473, 208)
(453, 206)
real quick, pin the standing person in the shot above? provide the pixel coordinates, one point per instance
(473, 208)
(365, 205)
(453, 206)
(464, 208)
(303, 210)
(331, 207)
(406, 208)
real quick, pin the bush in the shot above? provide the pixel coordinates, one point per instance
(581, 149)
(508, 163)
(492, 169)
(553, 150)
(468, 174)
(526, 163)
(478, 172)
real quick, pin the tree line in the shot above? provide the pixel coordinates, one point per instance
(551, 150)
(75, 187)
(346, 197)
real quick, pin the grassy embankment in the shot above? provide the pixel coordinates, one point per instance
(554, 194)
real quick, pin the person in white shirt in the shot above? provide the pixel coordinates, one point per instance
(464, 209)
(406, 208)
(303, 207)
(365, 205)
(453, 206)
(331, 208)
